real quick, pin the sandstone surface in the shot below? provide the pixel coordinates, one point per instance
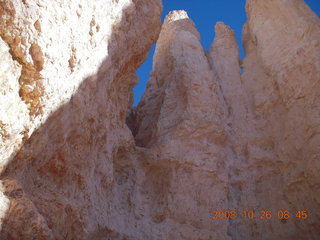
(210, 133)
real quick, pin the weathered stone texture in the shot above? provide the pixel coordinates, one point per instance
(206, 135)
(258, 130)
(73, 68)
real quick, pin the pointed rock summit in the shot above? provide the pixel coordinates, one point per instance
(218, 147)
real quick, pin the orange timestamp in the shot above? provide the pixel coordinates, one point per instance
(263, 214)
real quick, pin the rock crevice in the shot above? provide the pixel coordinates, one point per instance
(206, 138)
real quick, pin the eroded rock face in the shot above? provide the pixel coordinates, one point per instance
(180, 121)
(252, 137)
(53, 48)
(69, 72)
(205, 136)
(281, 69)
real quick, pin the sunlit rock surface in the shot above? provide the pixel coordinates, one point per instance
(250, 136)
(207, 136)
(67, 72)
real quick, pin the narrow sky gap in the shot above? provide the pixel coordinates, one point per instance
(143, 74)
(205, 14)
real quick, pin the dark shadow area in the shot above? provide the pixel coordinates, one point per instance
(55, 181)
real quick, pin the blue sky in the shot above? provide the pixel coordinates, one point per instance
(205, 13)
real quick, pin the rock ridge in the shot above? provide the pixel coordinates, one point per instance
(262, 119)
(77, 162)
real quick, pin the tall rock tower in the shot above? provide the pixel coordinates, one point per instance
(217, 148)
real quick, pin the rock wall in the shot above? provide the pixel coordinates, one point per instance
(73, 65)
(238, 140)
(206, 135)
(51, 49)
(281, 69)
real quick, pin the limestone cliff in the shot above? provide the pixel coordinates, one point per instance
(206, 135)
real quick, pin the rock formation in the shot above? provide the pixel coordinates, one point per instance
(250, 138)
(69, 68)
(206, 136)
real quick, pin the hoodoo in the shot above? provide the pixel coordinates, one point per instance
(210, 152)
